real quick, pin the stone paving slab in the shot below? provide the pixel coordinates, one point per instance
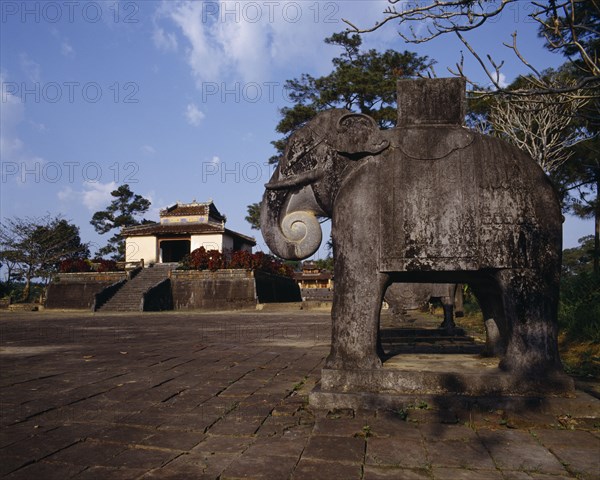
(225, 396)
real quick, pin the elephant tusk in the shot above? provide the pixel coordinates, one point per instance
(295, 181)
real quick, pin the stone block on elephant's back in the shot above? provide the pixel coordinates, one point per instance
(461, 201)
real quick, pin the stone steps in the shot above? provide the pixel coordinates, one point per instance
(423, 336)
(129, 297)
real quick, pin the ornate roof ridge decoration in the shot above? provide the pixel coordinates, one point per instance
(193, 208)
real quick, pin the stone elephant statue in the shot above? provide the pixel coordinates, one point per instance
(426, 201)
(410, 296)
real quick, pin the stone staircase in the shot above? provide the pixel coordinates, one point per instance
(419, 333)
(129, 297)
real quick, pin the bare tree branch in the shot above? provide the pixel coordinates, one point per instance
(542, 126)
(562, 29)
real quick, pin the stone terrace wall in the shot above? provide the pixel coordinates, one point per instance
(220, 290)
(317, 294)
(276, 288)
(77, 290)
(229, 289)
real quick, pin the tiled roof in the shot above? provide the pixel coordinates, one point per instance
(194, 208)
(178, 228)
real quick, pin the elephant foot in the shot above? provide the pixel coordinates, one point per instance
(341, 362)
(449, 326)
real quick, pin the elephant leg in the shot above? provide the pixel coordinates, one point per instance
(459, 301)
(489, 296)
(494, 346)
(448, 306)
(530, 301)
(355, 314)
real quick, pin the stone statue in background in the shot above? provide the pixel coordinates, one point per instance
(411, 296)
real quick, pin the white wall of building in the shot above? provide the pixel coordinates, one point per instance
(141, 248)
(209, 242)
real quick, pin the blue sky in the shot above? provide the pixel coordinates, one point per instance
(180, 98)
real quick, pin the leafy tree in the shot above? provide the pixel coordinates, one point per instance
(579, 309)
(579, 259)
(121, 212)
(9, 257)
(325, 264)
(36, 247)
(579, 183)
(253, 217)
(361, 81)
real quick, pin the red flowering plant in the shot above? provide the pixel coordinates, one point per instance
(107, 266)
(259, 261)
(202, 259)
(243, 259)
(75, 265)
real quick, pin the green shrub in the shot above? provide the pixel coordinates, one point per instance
(579, 309)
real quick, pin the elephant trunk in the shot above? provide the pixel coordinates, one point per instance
(295, 236)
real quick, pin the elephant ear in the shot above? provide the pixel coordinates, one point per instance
(358, 136)
(295, 158)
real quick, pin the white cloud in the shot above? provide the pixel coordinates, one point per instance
(12, 149)
(244, 40)
(215, 160)
(148, 149)
(31, 68)
(66, 194)
(164, 41)
(97, 195)
(66, 49)
(193, 114)
(11, 115)
(231, 41)
(203, 55)
(40, 127)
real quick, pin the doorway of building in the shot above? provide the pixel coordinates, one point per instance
(173, 250)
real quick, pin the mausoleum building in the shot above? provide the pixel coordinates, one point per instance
(182, 228)
(312, 276)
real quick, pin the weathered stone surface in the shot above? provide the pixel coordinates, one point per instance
(396, 452)
(213, 290)
(428, 202)
(517, 450)
(428, 374)
(138, 395)
(308, 469)
(230, 289)
(77, 290)
(423, 102)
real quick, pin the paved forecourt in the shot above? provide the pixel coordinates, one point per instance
(224, 395)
